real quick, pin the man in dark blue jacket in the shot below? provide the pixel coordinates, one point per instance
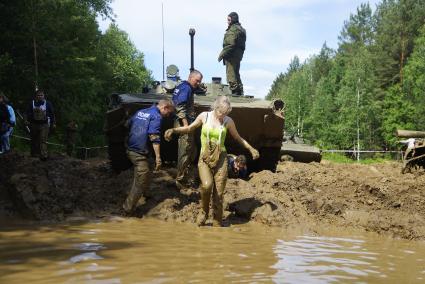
(183, 99)
(39, 117)
(145, 129)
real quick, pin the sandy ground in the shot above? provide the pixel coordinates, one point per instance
(374, 198)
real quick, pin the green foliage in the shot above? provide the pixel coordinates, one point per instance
(414, 87)
(371, 86)
(343, 159)
(298, 100)
(398, 24)
(124, 69)
(357, 31)
(337, 158)
(276, 90)
(399, 114)
(57, 46)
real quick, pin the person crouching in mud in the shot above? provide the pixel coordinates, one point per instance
(212, 164)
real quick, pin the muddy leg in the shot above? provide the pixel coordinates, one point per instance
(220, 179)
(207, 182)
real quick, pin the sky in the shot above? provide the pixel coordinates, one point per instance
(277, 30)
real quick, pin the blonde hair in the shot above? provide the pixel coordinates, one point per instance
(222, 104)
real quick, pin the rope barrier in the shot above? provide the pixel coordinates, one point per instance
(61, 145)
(86, 149)
(323, 151)
(361, 151)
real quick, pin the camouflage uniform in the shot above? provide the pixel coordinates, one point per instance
(232, 53)
(183, 99)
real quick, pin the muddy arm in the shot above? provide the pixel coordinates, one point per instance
(185, 129)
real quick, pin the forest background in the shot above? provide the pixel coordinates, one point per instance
(354, 96)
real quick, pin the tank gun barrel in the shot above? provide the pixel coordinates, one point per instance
(410, 133)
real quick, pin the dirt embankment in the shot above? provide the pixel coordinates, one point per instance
(375, 198)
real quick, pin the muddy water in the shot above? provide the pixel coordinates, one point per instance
(150, 251)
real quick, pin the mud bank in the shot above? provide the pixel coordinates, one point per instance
(375, 198)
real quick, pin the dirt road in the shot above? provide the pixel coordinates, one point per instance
(375, 198)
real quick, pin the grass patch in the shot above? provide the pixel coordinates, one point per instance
(366, 158)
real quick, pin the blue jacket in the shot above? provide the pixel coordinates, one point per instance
(183, 99)
(143, 123)
(12, 115)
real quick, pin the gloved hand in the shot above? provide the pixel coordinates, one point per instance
(168, 135)
(158, 164)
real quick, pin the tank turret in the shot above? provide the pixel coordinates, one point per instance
(259, 121)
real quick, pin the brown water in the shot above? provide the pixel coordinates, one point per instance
(150, 251)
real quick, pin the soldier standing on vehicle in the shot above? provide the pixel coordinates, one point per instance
(40, 117)
(232, 53)
(145, 128)
(183, 98)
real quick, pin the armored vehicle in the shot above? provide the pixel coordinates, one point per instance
(295, 149)
(258, 121)
(414, 152)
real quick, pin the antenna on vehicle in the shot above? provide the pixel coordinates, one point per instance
(192, 34)
(163, 52)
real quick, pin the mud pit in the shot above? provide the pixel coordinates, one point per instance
(375, 198)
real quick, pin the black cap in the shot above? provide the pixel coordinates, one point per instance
(234, 17)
